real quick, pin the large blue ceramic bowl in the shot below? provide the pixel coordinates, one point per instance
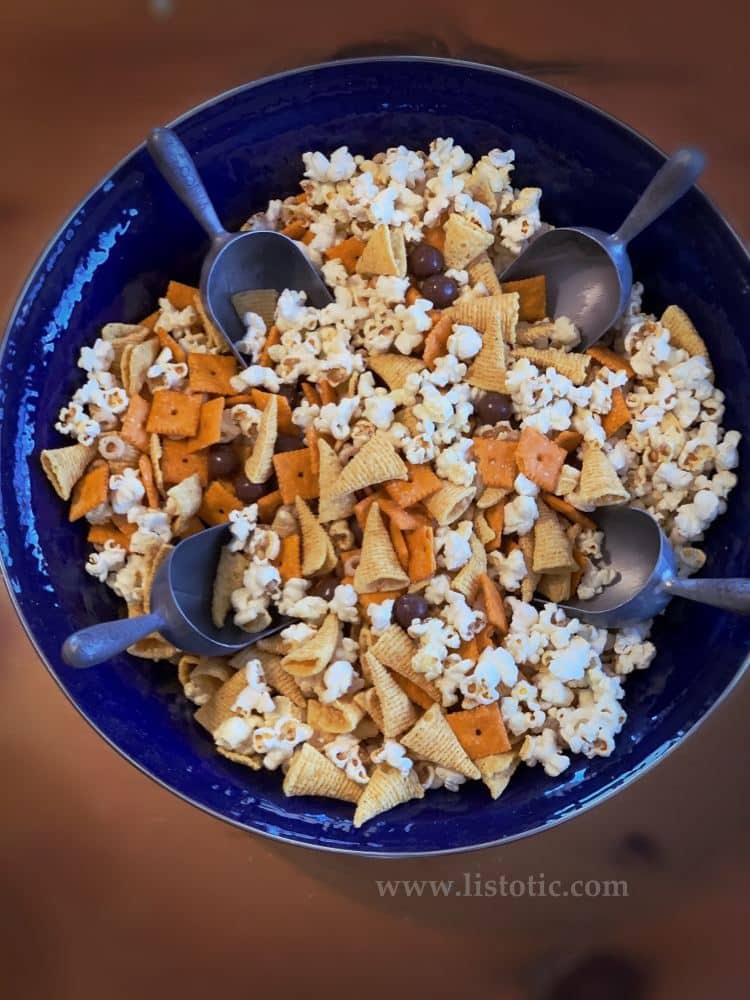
(112, 259)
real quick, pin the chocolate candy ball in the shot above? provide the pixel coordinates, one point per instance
(425, 260)
(494, 407)
(249, 492)
(325, 587)
(222, 461)
(440, 290)
(288, 442)
(408, 608)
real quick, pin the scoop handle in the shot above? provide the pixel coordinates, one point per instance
(177, 168)
(97, 643)
(671, 182)
(731, 594)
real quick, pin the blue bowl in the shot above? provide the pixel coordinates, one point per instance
(112, 259)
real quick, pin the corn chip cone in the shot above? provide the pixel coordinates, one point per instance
(489, 496)
(273, 644)
(229, 573)
(261, 301)
(385, 253)
(568, 481)
(252, 760)
(259, 465)
(479, 312)
(682, 332)
(572, 366)
(203, 674)
(433, 739)
(276, 676)
(398, 712)
(314, 654)
(315, 541)
(155, 453)
(599, 483)
(497, 770)
(482, 269)
(135, 362)
(464, 240)
(341, 716)
(556, 586)
(375, 462)
(394, 649)
(312, 773)
(65, 466)
(467, 578)
(330, 509)
(449, 502)
(214, 338)
(157, 555)
(386, 789)
(368, 701)
(408, 419)
(529, 582)
(482, 530)
(487, 370)
(379, 568)
(219, 708)
(394, 369)
(552, 549)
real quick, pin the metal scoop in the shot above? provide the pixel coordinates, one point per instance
(235, 262)
(587, 271)
(181, 610)
(637, 548)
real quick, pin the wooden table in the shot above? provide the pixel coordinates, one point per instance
(111, 887)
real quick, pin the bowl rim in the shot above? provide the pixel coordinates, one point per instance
(633, 775)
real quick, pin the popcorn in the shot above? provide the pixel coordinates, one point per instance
(337, 680)
(276, 742)
(254, 337)
(98, 358)
(545, 750)
(126, 491)
(380, 616)
(256, 377)
(393, 754)
(435, 639)
(344, 603)
(255, 697)
(510, 570)
(344, 752)
(452, 545)
(520, 515)
(335, 418)
(464, 343)
(110, 559)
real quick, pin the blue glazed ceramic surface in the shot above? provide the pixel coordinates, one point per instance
(112, 259)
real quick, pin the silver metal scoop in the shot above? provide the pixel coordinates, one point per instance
(181, 610)
(587, 271)
(637, 548)
(235, 262)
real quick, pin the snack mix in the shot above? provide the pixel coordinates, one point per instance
(401, 471)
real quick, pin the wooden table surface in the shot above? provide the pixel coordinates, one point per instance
(110, 887)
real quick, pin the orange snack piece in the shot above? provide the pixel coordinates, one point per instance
(311, 394)
(540, 459)
(348, 252)
(420, 544)
(273, 337)
(180, 296)
(89, 491)
(209, 425)
(290, 557)
(211, 373)
(532, 297)
(295, 230)
(436, 341)
(177, 463)
(268, 505)
(412, 692)
(284, 413)
(569, 440)
(399, 544)
(101, 533)
(497, 462)
(610, 359)
(480, 730)
(167, 340)
(422, 483)
(568, 511)
(133, 428)
(403, 518)
(295, 474)
(311, 440)
(146, 470)
(218, 503)
(174, 414)
(495, 517)
(494, 608)
(618, 416)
